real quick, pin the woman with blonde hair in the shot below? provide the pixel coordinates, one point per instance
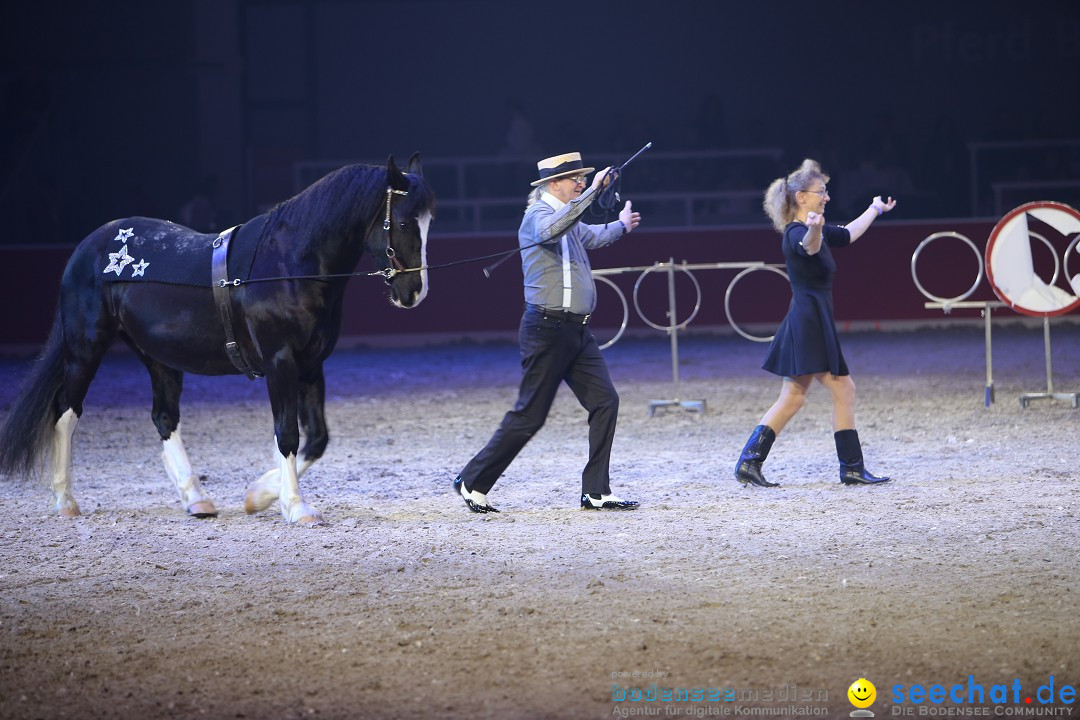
(806, 346)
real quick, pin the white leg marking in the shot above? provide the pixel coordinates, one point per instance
(302, 465)
(63, 503)
(293, 507)
(262, 493)
(192, 496)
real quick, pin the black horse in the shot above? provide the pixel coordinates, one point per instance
(283, 316)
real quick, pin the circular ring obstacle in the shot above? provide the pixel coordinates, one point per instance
(727, 300)
(625, 311)
(915, 274)
(693, 313)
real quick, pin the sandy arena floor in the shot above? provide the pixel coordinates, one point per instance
(406, 605)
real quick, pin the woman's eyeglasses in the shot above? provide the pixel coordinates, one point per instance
(822, 192)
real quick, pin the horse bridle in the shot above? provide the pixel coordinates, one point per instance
(391, 254)
(397, 268)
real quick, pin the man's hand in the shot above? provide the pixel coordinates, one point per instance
(629, 218)
(601, 179)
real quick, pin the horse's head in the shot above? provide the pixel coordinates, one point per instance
(407, 214)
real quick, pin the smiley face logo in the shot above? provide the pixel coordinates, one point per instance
(862, 693)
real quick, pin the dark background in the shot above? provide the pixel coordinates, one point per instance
(120, 108)
(206, 112)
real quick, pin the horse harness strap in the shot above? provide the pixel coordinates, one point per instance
(223, 300)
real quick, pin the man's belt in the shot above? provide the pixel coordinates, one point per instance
(560, 314)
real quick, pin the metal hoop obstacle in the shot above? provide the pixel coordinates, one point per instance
(670, 268)
(987, 307)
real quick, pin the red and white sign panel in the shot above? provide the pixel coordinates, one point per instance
(1011, 270)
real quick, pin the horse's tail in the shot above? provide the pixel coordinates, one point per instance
(27, 430)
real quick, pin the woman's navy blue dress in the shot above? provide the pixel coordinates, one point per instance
(806, 341)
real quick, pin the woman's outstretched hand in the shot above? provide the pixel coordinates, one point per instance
(883, 206)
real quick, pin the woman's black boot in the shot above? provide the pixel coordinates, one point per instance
(849, 452)
(748, 471)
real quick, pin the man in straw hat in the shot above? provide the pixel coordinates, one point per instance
(556, 344)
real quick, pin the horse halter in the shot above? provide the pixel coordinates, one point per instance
(389, 273)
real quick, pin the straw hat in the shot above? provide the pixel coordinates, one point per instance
(553, 168)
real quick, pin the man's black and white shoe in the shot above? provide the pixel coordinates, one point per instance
(606, 502)
(477, 502)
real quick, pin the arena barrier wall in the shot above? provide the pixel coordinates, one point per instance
(873, 283)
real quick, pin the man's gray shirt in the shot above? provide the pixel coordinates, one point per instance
(557, 273)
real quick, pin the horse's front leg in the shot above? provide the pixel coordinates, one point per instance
(262, 493)
(63, 502)
(292, 504)
(283, 386)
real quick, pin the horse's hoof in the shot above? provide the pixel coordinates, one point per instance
(300, 513)
(202, 509)
(258, 500)
(255, 503)
(66, 507)
(70, 511)
(262, 493)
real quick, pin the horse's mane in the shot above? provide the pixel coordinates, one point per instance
(338, 199)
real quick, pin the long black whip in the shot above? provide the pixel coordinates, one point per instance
(607, 200)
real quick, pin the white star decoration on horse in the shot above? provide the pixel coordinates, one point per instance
(139, 268)
(119, 260)
(123, 235)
